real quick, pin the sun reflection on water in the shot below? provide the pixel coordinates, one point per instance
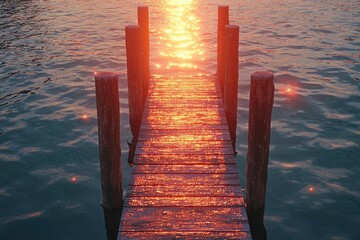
(73, 179)
(311, 189)
(181, 46)
(85, 117)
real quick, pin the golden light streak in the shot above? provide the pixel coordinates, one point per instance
(180, 36)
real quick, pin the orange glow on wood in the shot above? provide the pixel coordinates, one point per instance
(184, 176)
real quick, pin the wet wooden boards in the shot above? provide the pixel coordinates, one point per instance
(184, 182)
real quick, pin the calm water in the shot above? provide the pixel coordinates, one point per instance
(49, 170)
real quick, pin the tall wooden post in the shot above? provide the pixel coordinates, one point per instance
(143, 22)
(135, 90)
(231, 78)
(223, 20)
(261, 103)
(108, 113)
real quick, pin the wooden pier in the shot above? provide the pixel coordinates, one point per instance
(184, 182)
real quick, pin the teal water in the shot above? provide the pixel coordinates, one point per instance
(49, 166)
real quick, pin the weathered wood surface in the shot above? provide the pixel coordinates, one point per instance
(204, 235)
(196, 190)
(188, 201)
(135, 84)
(231, 78)
(196, 143)
(184, 135)
(108, 114)
(223, 20)
(261, 104)
(184, 179)
(143, 22)
(213, 219)
(184, 182)
(184, 169)
(184, 159)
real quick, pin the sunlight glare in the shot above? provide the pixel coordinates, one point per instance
(311, 189)
(73, 179)
(289, 90)
(180, 36)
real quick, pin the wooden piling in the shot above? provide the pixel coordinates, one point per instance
(135, 89)
(108, 113)
(223, 20)
(231, 78)
(261, 103)
(143, 22)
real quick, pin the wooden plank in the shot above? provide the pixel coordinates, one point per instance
(180, 143)
(183, 179)
(178, 92)
(165, 118)
(176, 110)
(173, 85)
(186, 132)
(183, 120)
(183, 159)
(153, 235)
(180, 191)
(185, 114)
(184, 135)
(217, 101)
(205, 89)
(191, 126)
(199, 91)
(184, 202)
(185, 169)
(184, 219)
(201, 105)
(204, 118)
(184, 150)
(182, 82)
(184, 95)
(182, 111)
(196, 105)
(153, 137)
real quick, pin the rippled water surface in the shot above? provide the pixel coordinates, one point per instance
(49, 166)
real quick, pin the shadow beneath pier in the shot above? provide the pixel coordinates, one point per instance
(257, 227)
(132, 148)
(112, 220)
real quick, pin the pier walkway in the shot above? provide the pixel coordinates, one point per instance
(184, 183)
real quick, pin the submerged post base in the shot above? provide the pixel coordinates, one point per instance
(112, 220)
(257, 227)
